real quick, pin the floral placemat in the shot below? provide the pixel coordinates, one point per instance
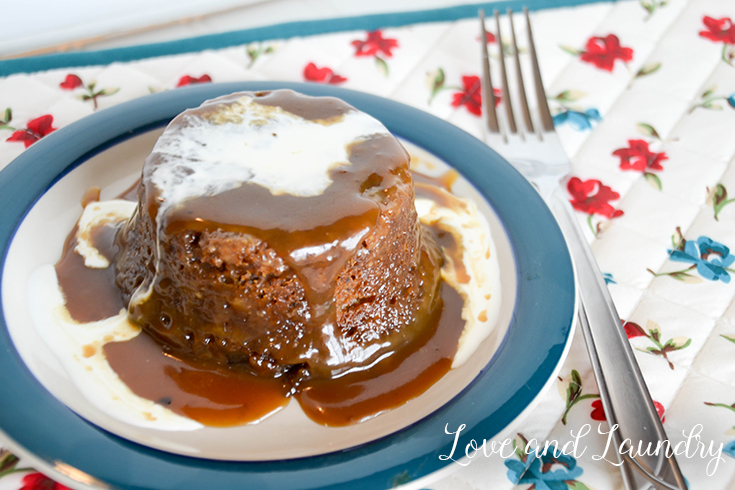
(643, 98)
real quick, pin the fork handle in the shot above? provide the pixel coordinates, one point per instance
(625, 397)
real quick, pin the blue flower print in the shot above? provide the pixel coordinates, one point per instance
(609, 279)
(729, 449)
(538, 471)
(731, 101)
(711, 258)
(579, 121)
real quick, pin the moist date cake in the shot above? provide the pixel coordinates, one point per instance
(277, 232)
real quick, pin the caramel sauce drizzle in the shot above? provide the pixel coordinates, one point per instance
(218, 396)
(406, 374)
(293, 225)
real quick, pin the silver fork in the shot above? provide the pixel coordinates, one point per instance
(533, 148)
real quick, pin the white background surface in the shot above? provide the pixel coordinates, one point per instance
(99, 24)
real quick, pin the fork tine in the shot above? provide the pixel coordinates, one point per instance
(505, 98)
(543, 105)
(491, 117)
(519, 75)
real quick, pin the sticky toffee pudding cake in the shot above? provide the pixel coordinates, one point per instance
(277, 232)
(271, 250)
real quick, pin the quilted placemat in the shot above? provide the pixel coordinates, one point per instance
(643, 98)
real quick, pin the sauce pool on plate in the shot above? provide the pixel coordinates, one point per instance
(222, 396)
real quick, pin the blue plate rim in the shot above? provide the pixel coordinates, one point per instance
(532, 349)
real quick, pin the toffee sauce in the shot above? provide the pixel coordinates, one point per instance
(91, 294)
(211, 394)
(222, 396)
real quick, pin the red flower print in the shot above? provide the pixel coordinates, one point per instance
(603, 51)
(719, 30)
(660, 410)
(633, 330)
(189, 80)
(39, 481)
(322, 75)
(639, 157)
(471, 95)
(375, 44)
(71, 82)
(35, 130)
(592, 197)
(490, 37)
(598, 413)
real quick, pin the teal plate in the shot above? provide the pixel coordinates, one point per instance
(36, 423)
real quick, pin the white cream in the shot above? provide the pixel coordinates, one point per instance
(249, 142)
(481, 293)
(95, 214)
